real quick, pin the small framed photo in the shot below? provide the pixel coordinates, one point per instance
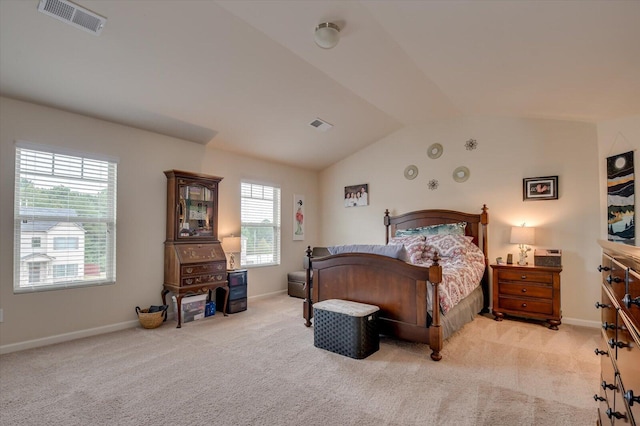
(540, 188)
(356, 195)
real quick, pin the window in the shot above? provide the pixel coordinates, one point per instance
(63, 243)
(260, 227)
(64, 219)
(60, 271)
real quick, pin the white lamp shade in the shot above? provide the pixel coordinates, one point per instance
(231, 244)
(327, 35)
(523, 235)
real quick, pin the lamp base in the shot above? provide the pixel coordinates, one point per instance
(523, 258)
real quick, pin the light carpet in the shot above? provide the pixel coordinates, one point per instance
(259, 367)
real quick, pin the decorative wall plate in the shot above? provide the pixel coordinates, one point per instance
(410, 172)
(461, 174)
(434, 151)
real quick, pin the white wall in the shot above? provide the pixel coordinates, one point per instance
(509, 150)
(45, 317)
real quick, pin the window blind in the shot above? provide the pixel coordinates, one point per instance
(64, 219)
(260, 224)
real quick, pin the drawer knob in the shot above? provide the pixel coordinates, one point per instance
(603, 268)
(189, 270)
(599, 398)
(616, 414)
(524, 305)
(606, 386)
(629, 301)
(524, 290)
(630, 398)
(616, 343)
(602, 305)
(607, 326)
(189, 281)
(523, 277)
(614, 279)
(600, 352)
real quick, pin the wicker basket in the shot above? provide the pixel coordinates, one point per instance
(150, 319)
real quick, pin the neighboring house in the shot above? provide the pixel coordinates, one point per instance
(51, 251)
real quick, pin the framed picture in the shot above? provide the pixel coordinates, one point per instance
(356, 195)
(298, 217)
(540, 188)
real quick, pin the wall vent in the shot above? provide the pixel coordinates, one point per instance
(321, 125)
(73, 14)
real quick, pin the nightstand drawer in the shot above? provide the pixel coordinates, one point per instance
(526, 276)
(526, 290)
(526, 305)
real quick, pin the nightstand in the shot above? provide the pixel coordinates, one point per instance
(527, 291)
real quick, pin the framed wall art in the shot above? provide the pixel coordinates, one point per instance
(356, 195)
(540, 188)
(621, 210)
(298, 217)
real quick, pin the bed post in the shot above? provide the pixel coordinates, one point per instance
(307, 304)
(435, 330)
(387, 223)
(484, 221)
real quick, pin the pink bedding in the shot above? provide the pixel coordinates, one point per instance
(462, 263)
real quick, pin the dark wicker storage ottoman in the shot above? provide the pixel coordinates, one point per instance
(346, 328)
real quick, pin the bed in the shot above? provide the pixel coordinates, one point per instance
(401, 289)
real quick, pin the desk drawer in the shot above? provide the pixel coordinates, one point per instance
(540, 277)
(202, 268)
(525, 305)
(202, 279)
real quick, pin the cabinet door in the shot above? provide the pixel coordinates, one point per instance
(196, 210)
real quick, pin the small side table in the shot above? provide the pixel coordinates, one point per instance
(527, 291)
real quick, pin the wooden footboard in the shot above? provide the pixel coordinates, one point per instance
(397, 287)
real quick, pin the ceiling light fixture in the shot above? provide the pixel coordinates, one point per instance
(327, 35)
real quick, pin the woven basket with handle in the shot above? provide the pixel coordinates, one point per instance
(150, 319)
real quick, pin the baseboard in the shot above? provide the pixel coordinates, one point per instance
(262, 296)
(580, 322)
(66, 337)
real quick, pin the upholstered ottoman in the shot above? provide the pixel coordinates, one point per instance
(346, 328)
(296, 282)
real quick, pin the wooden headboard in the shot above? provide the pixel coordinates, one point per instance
(476, 228)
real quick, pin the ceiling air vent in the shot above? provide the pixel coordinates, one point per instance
(73, 14)
(321, 125)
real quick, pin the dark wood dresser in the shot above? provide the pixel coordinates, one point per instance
(619, 393)
(527, 291)
(194, 261)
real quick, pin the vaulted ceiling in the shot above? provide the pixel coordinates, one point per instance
(246, 76)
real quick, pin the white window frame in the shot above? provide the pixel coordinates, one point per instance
(90, 225)
(252, 194)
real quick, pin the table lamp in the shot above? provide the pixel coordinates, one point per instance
(231, 245)
(523, 236)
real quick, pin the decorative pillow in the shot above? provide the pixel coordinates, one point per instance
(394, 251)
(445, 228)
(449, 245)
(414, 245)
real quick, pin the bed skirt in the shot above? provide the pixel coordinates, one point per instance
(463, 313)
